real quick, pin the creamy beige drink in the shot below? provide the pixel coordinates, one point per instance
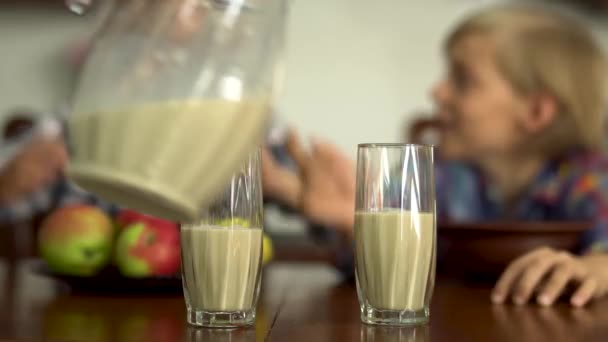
(167, 159)
(220, 267)
(395, 258)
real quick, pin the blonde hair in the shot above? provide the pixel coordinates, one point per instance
(540, 50)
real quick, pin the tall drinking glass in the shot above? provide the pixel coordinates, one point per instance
(222, 254)
(395, 233)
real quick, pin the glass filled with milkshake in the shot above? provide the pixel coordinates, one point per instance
(222, 254)
(395, 233)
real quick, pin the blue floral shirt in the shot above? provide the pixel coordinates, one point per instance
(574, 187)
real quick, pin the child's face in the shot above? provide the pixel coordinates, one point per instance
(479, 111)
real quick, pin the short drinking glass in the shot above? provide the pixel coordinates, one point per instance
(222, 254)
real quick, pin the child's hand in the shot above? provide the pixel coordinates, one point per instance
(279, 182)
(328, 184)
(41, 163)
(545, 273)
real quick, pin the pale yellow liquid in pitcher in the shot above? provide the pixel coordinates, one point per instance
(394, 256)
(220, 267)
(166, 159)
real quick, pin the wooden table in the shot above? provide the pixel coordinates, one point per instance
(299, 302)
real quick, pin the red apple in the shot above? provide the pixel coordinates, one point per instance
(76, 240)
(144, 250)
(127, 217)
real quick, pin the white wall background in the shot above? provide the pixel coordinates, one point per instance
(356, 68)
(33, 71)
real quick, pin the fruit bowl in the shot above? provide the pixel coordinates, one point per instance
(110, 281)
(130, 252)
(484, 250)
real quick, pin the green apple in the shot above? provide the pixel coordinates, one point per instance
(267, 250)
(76, 240)
(267, 247)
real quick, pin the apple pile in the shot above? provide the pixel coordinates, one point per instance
(82, 240)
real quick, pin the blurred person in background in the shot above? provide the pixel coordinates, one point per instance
(30, 160)
(33, 163)
(32, 172)
(521, 112)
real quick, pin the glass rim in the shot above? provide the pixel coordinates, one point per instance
(394, 145)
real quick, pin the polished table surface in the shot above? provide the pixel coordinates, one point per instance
(299, 302)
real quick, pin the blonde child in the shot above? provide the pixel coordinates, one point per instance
(521, 110)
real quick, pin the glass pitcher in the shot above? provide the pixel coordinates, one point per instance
(173, 98)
